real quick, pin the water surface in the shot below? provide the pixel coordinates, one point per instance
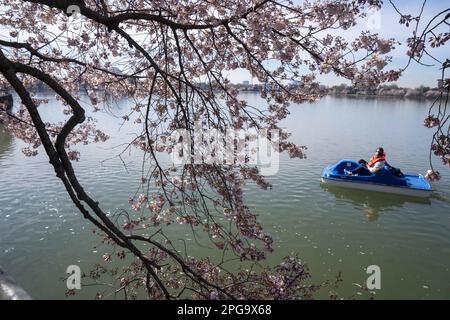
(333, 230)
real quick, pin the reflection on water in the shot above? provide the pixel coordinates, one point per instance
(42, 232)
(372, 203)
(6, 141)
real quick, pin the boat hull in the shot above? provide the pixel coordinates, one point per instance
(377, 187)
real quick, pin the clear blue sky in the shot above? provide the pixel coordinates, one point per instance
(388, 27)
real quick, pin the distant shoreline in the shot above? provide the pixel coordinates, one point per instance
(375, 96)
(381, 93)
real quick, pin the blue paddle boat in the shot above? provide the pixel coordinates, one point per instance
(388, 180)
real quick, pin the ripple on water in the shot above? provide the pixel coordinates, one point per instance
(333, 230)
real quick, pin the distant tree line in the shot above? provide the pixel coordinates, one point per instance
(391, 90)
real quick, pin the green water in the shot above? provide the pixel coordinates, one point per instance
(333, 230)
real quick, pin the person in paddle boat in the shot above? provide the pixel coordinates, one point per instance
(375, 164)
